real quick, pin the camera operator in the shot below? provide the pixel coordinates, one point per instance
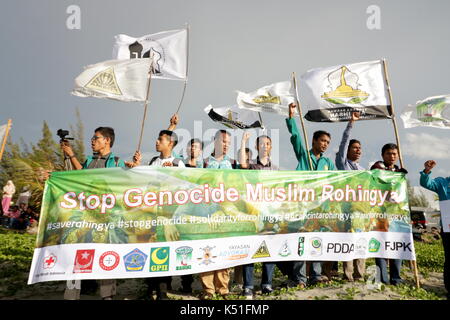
(101, 143)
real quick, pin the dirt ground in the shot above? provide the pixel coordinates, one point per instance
(135, 289)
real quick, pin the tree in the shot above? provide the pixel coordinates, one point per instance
(24, 165)
(417, 200)
(78, 135)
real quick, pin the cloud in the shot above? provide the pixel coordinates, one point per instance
(426, 146)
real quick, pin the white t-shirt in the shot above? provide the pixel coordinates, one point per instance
(159, 162)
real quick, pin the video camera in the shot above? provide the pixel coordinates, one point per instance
(62, 134)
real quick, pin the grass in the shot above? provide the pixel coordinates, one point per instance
(16, 252)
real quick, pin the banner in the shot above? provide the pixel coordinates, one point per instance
(331, 94)
(114, 79)
(234, 117)
(153, 222)
(274, 98)
(169, 50)
(430, 112)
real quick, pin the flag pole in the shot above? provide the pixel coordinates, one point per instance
(187, 67)
(393, 112)
(413, 263)
(299, 109)
(150, 72)
(8, 126)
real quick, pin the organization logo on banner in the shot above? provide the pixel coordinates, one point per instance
(361, 246)
(109, 260)
(374, 245)
(159, 259)
(49, 261)
(135, 260)
(397, 246)
(262, 252)
(236, 252)
(184, 257)
(301, 246)
(316, 244)
(84, 260)
(340, 247)
(207, 257)
(284, 250)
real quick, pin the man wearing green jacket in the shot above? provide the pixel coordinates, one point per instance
(321, 141)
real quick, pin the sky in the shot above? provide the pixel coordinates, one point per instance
(233, 45)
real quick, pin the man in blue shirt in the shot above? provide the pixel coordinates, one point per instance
(347, 158)
(441, 186)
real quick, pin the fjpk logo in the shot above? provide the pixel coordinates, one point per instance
(159, 259)
(135, 260)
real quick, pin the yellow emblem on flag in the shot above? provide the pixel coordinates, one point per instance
(105, 81)
(344, 93)
(267, 99)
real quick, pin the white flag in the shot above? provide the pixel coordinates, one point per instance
(331, 94)
(430, 112)
(274, 98)
(234, 117)
(168, 48)
(124, 80)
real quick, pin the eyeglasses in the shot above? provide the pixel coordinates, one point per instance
(96, 137)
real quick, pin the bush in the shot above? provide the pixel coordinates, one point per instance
(430, 256)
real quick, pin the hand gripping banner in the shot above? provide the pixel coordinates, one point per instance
(153, 222)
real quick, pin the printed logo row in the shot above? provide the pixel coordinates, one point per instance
(159, 257)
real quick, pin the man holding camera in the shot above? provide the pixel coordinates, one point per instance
(101, 144)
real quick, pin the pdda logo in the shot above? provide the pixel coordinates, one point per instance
(340, 247)
(83, 261)
(397, 246)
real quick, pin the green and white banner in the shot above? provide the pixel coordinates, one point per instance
(152, 222)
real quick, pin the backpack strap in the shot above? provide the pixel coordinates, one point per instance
(176, 161)
(233, 163)
(116, 161)
(153, 160)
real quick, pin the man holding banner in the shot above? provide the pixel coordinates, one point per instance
(441, 186)
(263, 162)
(101, 143)
(347, 158)
(320, 143)
(390, 155)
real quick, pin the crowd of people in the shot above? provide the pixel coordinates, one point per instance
(19, 215)
(299, 273)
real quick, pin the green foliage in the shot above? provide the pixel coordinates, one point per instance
(430, 256)
(24, 164)
(410, 292)
(16, 253)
